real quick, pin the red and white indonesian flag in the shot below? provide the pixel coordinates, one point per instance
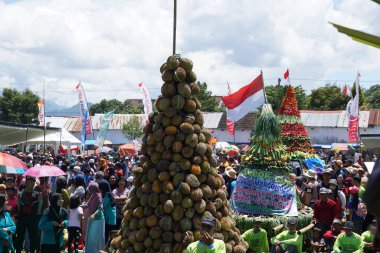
(41, 112)
(245, 100)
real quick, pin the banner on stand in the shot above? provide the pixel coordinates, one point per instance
(103, 129)
(264, 193)
(84, 107)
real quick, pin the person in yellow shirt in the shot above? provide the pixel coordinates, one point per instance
(256, 238)
(288, 241)
(207, 243)
(368, 238)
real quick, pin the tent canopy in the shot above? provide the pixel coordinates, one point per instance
(11, 133)
(57, 137)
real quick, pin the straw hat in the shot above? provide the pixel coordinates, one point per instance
(310, 174)
(230, 172)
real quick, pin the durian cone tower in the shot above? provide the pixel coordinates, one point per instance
(178, 183)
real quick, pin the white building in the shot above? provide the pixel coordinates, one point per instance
(324, 127)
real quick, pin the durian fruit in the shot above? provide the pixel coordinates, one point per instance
(177, 183)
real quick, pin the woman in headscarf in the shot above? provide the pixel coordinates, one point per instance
(79, 186)
(96, 226)
(7, 227)
(109, 206)
(61, 184)
(52, 224)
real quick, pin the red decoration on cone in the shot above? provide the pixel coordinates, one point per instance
(294, 135)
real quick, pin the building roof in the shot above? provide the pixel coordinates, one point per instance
(331, 118)
(217, 120)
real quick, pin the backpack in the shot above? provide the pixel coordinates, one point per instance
(362, 210)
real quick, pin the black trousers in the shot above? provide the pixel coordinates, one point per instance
(25, 222)
(74, 233)
(50, 248)
(108, 231)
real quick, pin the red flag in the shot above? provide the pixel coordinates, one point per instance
(345, 89)
(286, 74)
(245, 100)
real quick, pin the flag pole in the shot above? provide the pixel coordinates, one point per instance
(174, 26)
(265, 95)
(229, 93)
(43, 98)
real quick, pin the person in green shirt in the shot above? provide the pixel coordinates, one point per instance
(256, 238)
(368, 237)
(207, 243)
(289, 240)
(348, 242)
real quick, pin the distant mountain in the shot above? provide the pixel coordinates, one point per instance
(52, 109)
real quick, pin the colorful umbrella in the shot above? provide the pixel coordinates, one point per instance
(103, 150)
(127, 149)
(11, 164)
(342, 147)
(44, 171)
(107, 142)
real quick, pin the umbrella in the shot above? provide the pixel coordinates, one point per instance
(11, 164)
(342, 147)
(44, 171)
(127, 149)
(107, 142)
(222, 144)
(103, 150)
(315, 164)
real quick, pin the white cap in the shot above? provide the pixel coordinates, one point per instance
(130, 179)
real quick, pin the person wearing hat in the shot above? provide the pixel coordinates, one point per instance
(368, 238)
(288, 240)
(339, 197)
(257, 237)
(325, 210)
(310, 195)
(230, 180)
(348, 241)
(337, 166)
(355, 207)
(207, 243)
(29, 206)
(326, 176)
(331, 235)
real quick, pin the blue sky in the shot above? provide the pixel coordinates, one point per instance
(113, 45)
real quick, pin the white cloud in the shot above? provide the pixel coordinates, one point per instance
(112, 45)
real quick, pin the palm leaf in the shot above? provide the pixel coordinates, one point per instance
(359, 36)
(376, 1)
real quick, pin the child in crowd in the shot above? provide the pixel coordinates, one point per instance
(317, 243)
(75, 217)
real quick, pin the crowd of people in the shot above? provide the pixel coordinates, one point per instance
(342, 222)
(86, 205)
(48, 214)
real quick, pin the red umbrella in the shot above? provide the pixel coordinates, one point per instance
(11, 161)
(44, 171)
(11, 164)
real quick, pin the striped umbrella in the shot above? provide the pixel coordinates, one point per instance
(11, 165)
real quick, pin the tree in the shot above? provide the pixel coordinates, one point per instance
(116, 106)
(19, 107)
(132, 129)
(329, 97)
(373, 97)
(361, 94)
(275, 94)
(208, 101)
